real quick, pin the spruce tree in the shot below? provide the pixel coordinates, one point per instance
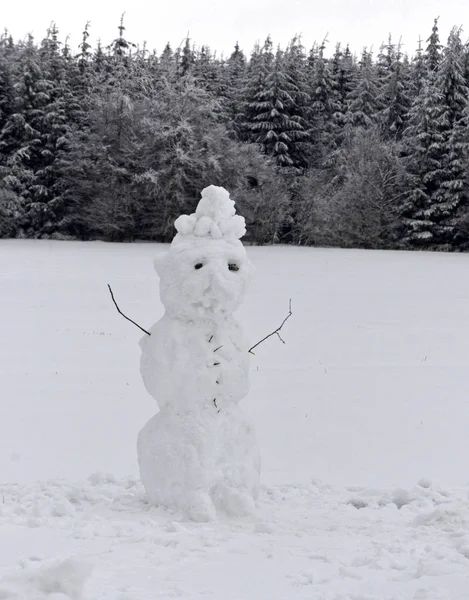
(121, 47)
(206, 71)
(450, 80)
(274, 120)
(363, 103)
(324, 105)
(25, 128)
(437, 147)
(167, 64)
(394, 97)
(424, 158)
(260, 65)
(7, 98)
(187, 58)
(295, 66)
(418, 71)
(231, 87)
(433, 50)
(343, 75)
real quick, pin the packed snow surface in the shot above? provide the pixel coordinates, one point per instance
(362, 419)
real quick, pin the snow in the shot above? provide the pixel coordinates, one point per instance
(361, 418)
(198, 454)
(214, 217)
(62, 581)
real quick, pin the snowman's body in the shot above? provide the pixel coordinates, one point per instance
(199, 453)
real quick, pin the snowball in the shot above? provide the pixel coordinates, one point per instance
(215, 232)
(202, 228)
(234, 227)
(185, 224)
(216, 204)
(201, 463)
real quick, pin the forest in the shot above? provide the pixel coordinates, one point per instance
(317, 146)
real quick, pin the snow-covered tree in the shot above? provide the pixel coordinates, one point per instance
(433, 50)
(436, 145)
(363, 103)
(25, 128)
(187, 60)
(418, 71)
(344, 76)
(324, 106)
(394, 96)
(232, 80)
(274, 120)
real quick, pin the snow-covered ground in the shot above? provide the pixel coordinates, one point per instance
(362, 419)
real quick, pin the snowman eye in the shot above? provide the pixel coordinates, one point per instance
(233, 267)
(198, 266)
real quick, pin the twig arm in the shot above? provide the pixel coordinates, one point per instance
(125, 316)
(276, 332)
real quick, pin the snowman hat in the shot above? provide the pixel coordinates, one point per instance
(215, 218)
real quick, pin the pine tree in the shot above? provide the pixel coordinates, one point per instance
(394, 97)
(418, 71)
(424, 150)
(259, 67)
(121, 47)
(295, 66)
(187, 58)
(433, 50)
(11, 210)
(363, 103)
(324, 106)
(343, 75)
(99, 146)
(84, 56)
(168, 64)
(437, 148)
(450, 80)
(70, 83)
(385, 60)
(232, 81)
(7, 96)
(235, 66)
(274, 121)
(25, 128)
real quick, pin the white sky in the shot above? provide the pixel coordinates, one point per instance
(219, 24)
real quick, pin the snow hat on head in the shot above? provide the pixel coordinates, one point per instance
(215, 218)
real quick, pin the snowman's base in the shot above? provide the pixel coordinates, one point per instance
(204, 465)
(203, 507)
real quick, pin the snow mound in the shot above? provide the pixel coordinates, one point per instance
(62, 581)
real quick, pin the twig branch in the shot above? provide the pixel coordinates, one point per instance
(276, 332)
(125, 316)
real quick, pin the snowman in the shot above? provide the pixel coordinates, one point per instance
(198, 454)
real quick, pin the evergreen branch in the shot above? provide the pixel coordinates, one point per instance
(276, 332)
(125, 316)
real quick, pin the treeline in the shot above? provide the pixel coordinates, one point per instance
(115, 142)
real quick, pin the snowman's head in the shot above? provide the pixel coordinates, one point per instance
(206, 271)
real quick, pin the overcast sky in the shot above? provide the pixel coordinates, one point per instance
(219, 24)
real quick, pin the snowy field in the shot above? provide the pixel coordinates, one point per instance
(362, 419)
